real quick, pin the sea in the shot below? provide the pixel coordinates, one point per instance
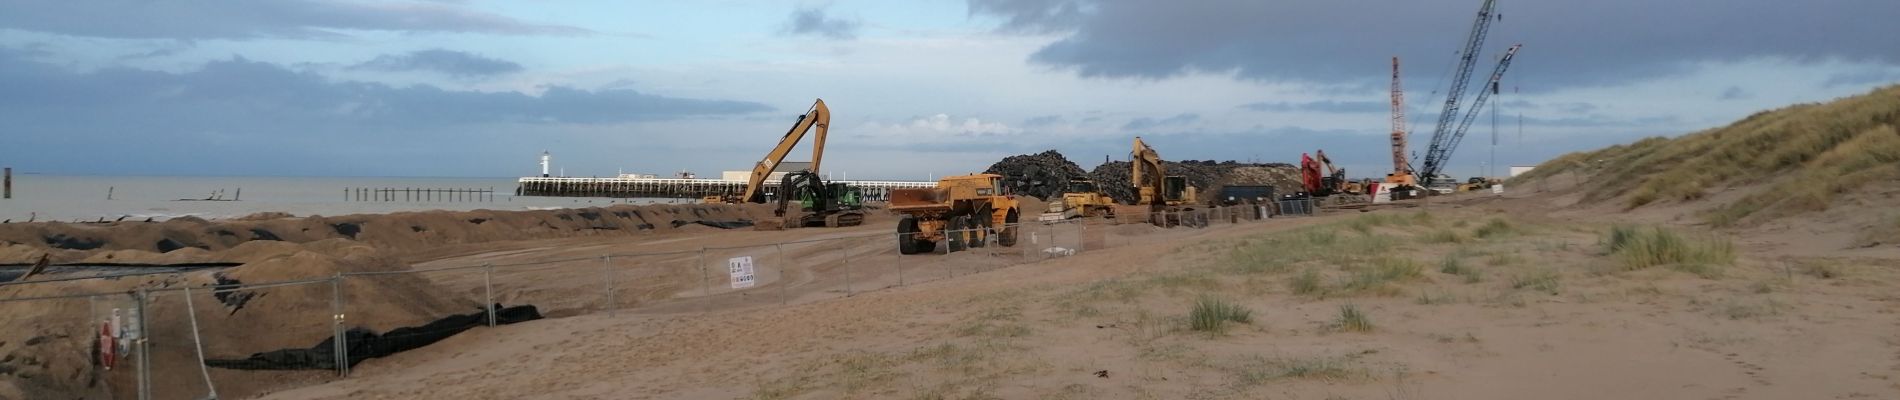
(91, 198)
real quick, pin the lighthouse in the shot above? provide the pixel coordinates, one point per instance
(544, 163)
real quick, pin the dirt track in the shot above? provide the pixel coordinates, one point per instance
(1105, 324)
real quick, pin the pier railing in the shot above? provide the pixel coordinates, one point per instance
(677, 188)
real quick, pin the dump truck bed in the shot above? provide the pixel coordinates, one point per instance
(920, 200)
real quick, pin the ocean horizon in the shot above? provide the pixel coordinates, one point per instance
(78, 197)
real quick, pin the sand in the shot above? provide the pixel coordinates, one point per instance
(1107, 324)
(1794, 318)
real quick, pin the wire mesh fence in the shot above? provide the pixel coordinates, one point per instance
(234, 340)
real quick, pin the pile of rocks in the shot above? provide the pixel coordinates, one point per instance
(1207, 176)
(1040, 175)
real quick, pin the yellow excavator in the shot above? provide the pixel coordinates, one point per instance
(1165, 196)
(819, 117)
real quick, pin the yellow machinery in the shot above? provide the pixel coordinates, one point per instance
(1335, 181)
(1081, 199)
(818, 117)
(961, 211)
(1164, 195)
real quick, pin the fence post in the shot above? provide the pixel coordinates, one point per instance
(336, 326)
(783, 296)
(844, 257)
(144, 349)
(488, 292)
(607, 261)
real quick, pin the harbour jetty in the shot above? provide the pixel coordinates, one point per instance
(627, 187)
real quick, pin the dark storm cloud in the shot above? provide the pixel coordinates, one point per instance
(1145, 123)
(450, 62)
(1567, 43)
(813, 21)
(205, 19)
(238, 109)
(1326, 106)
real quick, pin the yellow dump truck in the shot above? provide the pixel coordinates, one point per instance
(962, 211)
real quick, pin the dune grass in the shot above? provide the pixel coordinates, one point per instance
(1211, 314)
(1352, 319)
(1637, 247)
(1809, 155)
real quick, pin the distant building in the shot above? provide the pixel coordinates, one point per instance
(1520, 169)
(777, 173)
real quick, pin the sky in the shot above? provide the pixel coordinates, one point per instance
(479, 88)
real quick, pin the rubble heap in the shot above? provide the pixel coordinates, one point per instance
(1041, 175)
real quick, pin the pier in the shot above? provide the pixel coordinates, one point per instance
(677, 188)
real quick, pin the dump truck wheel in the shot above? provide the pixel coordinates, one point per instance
(954, 231)
(980, 226)
(1007, 237)
(907, 241)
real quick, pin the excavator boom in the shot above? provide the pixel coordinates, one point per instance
(1147, 174)
(818, 116)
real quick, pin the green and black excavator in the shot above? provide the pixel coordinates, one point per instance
(818, 203)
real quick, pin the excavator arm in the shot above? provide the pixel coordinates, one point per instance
(1147, 174)
(818, 116)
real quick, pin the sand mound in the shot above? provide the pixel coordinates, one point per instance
(189, 239)
(1774, 164)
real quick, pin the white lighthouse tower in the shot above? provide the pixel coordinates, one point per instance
(544, 163)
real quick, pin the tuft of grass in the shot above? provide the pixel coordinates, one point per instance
(1257, 370)
(1365, 222)
(1503, 259)
(1444, 236)
(1211, 314)
(1824, 269)
(1426, 297)
(1542, 280)
(1383, 270)
(1643, 247)
(1307, 282)
(1496, 227)
(1455, 265)
(1351, 319)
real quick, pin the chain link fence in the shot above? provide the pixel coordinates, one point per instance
(209, 340)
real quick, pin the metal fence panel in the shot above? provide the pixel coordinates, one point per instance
(742, 276)
(255, 338)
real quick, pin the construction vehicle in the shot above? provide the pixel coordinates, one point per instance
(1479, 183)
(806, 200)
(1400, 182)
(818, 117)
(1166, 196)
(1081, 199)
(1445, 137)
(1332, 181)
(962, 212)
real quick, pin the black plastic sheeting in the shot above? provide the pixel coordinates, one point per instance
(364, 344)
(716, 224)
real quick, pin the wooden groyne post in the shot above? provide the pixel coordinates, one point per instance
(9, 184)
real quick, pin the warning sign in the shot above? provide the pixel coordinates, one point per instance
(741, 269)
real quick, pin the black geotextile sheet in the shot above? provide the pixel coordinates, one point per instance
(364, 344)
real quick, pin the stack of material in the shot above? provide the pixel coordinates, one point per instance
(1208, 176)
(1040, 175)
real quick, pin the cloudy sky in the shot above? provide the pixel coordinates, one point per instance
(480, 87)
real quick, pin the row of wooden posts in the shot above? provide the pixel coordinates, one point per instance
(387, 194)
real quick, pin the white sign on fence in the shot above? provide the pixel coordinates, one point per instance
(741, 269)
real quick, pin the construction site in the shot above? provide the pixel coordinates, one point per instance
(1754, 260)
